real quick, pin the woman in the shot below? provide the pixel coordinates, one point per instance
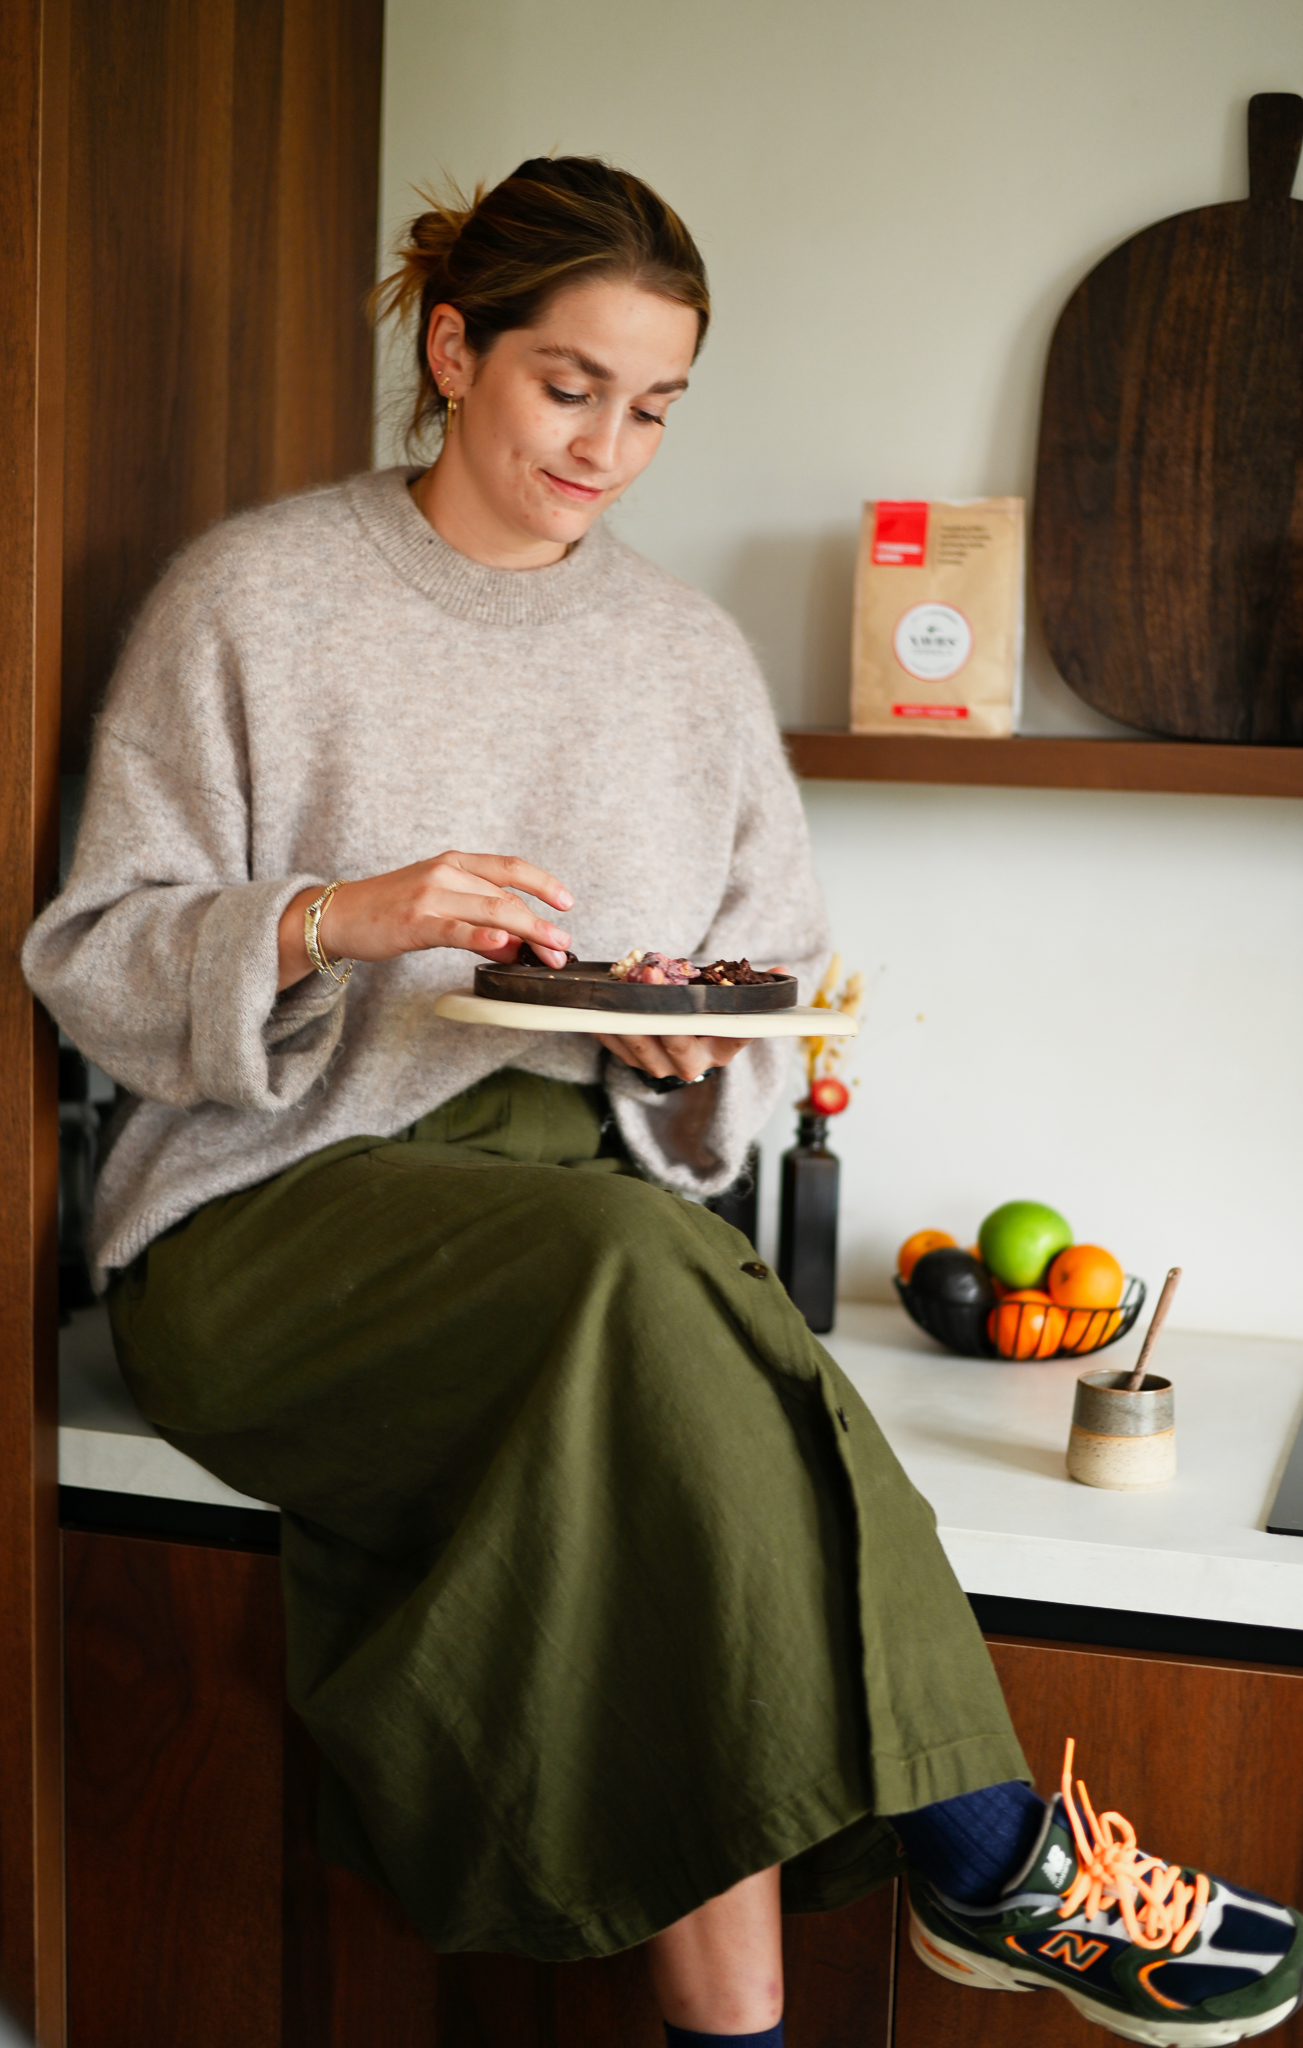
(612, 1614)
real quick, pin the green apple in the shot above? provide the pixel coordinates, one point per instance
(1018, 1240)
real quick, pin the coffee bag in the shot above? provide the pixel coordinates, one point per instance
(938, 633)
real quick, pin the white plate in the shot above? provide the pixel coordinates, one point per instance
(459, 1006)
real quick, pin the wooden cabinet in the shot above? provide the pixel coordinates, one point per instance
(189, 191)
(174, 1766)
(199, 1912)
(1201, 1756)
(223, 171)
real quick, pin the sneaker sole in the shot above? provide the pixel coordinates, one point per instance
(988, 1973)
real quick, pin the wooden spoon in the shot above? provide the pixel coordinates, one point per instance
(1137, 1378)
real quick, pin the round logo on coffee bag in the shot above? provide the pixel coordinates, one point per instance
(932, 641)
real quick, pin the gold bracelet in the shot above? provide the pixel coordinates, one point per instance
(311, 921)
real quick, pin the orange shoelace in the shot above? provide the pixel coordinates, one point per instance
(1158, 1908)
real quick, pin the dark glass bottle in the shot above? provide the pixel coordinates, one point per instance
(807, 1225)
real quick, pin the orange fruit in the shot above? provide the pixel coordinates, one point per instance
(1088, 1328)
(914, 1247)
(1085, 1276)
(1088, 1280)
(1026, 1324)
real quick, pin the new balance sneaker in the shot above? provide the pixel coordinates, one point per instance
(1152, 1952)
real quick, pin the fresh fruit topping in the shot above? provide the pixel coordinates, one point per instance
(829, 1097)
(655, 968)
(947, 1274)
(1026, 1324)
(1019, 1239)
(914, 1247)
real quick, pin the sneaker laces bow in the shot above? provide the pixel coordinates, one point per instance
(1158, 1907)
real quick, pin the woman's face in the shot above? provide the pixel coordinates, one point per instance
(555, 421)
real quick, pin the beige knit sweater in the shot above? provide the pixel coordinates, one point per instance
(324, 688)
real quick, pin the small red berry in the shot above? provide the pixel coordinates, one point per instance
(829, 1097)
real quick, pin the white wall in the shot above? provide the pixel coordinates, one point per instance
(894, 198)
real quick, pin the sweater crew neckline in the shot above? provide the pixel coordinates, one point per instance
(470, 590)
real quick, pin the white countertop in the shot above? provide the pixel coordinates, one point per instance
(105, 1441)
(983, 1442)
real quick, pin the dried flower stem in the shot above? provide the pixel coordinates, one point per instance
(823, 1055)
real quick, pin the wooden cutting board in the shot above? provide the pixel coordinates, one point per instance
(1167, 538)
(460, 1006)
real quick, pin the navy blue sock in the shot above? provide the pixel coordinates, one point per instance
(679, 2037)
(972, 1846)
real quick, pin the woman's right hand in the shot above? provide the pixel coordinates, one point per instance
(465, 900)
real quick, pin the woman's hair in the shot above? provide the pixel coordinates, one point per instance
(501, 257)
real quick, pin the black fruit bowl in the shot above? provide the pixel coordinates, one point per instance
(961, 1325)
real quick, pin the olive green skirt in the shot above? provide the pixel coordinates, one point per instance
(602, 1588)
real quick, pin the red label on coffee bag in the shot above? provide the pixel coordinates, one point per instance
(900, 533)
(929, 711)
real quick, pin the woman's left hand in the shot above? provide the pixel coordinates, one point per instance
(687, 1058)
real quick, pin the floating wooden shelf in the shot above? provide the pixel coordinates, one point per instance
(1193, 767)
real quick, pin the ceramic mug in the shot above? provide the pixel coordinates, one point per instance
(1121, 1440)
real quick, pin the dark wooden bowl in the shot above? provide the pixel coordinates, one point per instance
(588, 986)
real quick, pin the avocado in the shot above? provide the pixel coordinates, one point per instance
(953, 1275)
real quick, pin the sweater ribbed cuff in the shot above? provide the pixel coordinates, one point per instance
(233, 1000)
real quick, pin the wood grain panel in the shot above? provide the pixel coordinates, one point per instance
(344, 1938)
(610, 2000)
(174, 1730)
(1181, 766)
(839, 1974)
(148, 309)
(355, 1972)
(838, 1969)
(326, 246)
(486, 1999)
(1202, 1757)
(199, 1909)
(252, 233)
(1168, 531)
(224, 182)
(33, 148)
